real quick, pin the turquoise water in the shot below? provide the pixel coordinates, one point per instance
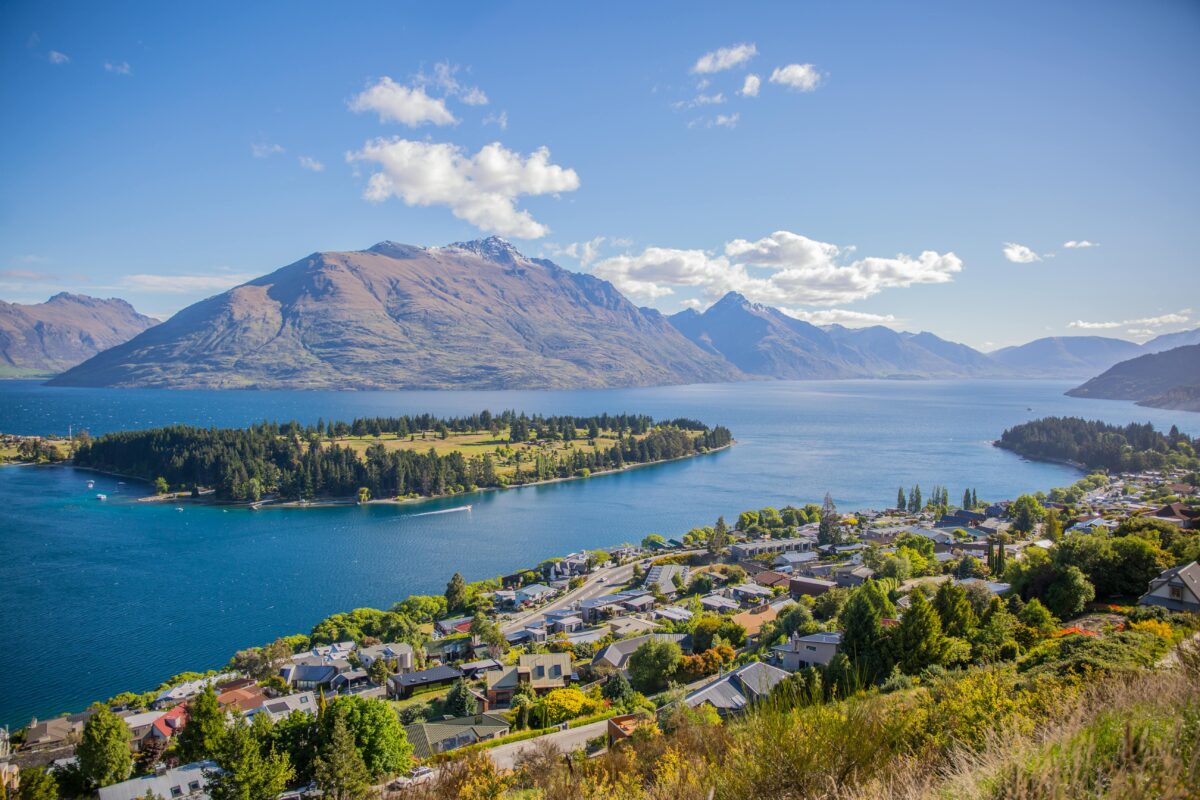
(102, 597)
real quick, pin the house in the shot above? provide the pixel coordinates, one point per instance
(281, 707)
(855, 576)
(169, 724)
(430, 738)
(533, 593)
(666, 578)
(739, 689)
(793, 560)
(718, 603)
(609, 605)
(351, 682)
(1093, 525)
(1177, 589)
(770, 578)
(630, 626)
(303, 677)
(673, 613)
(748, 550)
(399, 653)
(944, 538)
(799, 651)
(187, 690)
(188, 781)
(140, 726)
(401, 686)
(750, 593)
(451, 626)
(622, 727)
(564, 621)
(55, 732)
(995, 587)
(1178, 514)
(616, 655)
(541, 672)
(810, 586)
(754, 619)
(243, 698)
(448, 648)
(473, 669)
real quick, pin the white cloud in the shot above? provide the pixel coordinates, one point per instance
(692, 302)
(751, 85)
(1019, 253)
(499, 120)
(801, 77)
(700, 100)
(308, 162)
(482, 188)
(802, 271)
(583, 252)
(58, 58)
(118, 67)
(265, 149)
(475, 97)
(726, 120)
(407, 105)
(724, 58)
(445, 79)
(1075, 245)
(1176, 318)
(183, 284)
(841, 316)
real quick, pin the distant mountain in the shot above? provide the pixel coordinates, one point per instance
(1170, 379)
(1169, 341)
(46, 338)
(763, 341)
(471, 315)
(1065, 356)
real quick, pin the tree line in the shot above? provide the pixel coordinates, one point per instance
(268, 458)
(1099, 445)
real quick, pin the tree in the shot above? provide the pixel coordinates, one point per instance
(36, 784)
(340, 771)
(652, 540)
(1069, 593)
(103, 752)
(966, 503)
(1026, 512)
(954, 610)
(1037, 616)
(202, 734)
(1054, 526)
(616, 689)
(456, 593)
(379, 671)
(364, 494)
(377, 731)
(914, 499)
(298, 737)
(653, 664)
(719, 537)
(161, 486)
(246, 773)
(920, 640)
(863, 640)
(829, 529)
(901, 503)
(459, 701)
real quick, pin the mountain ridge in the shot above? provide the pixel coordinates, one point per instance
(1167, 379)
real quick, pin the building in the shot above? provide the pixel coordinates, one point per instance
(243, 699)
(304, 677)
(855, 576)
(534, 593)
(399, 653)
(188, 781)
(616, 655)
(187, 690)
(799, 652)
(430, 738)
(748, 550)
(739, 689)
(666, 578)
(718, 603)
(541, 672)
(811, 586)
(751, 593)
(401, 686)
(770, 578)
(55, 732)
(673, 613)
(281, 707)
(792, 561)
(610, 605)
(1177, 589)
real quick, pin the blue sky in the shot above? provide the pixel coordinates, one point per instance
(918, 164)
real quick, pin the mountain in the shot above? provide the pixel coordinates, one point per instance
(47, 338)
(1170, 379)
(763, 341)
(471, 315)
(1169, 341)
(1065, 356)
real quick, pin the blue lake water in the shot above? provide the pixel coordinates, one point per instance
(99, 597)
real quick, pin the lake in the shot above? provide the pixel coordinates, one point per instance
(101, 597)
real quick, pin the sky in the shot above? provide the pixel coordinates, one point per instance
(992, 174)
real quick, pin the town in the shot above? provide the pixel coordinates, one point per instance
(587, 652)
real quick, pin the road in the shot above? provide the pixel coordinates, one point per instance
(573, 739)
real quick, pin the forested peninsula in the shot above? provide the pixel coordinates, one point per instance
(392, 457)
(1094, 445)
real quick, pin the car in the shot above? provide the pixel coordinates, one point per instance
(601, 580)
(420, 772)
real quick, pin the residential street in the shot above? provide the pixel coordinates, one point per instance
(506, 754)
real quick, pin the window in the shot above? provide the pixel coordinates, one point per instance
(176, 791)
(194, 786)
(811, 647)
(1176, 592)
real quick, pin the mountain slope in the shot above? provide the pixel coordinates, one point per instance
(1169, 341)
(47, 338)
(764, 341)
(1065, 356)
(472, 315)
(1170, 379)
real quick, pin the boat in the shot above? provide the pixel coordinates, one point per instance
(101, 497)
(91, 484)
(178, 508)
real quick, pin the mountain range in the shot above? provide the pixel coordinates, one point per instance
(480, 315)
(44, 339)
(1170, 379)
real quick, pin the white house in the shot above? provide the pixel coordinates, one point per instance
(1177, 589)
(799, 651)
(188, 781)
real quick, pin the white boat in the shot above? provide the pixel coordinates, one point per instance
(177, 508)
(101, 497)
(91, 484)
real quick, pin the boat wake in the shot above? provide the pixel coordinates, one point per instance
(442, 511)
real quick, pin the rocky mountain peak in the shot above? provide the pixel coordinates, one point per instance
(493, 248)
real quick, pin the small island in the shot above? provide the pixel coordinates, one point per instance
(1093, 445)
(391, 458)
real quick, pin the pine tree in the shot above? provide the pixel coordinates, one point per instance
(459, 701)
(920, 639)
(974, 499)
(966, 504)
(104, 757)
(719, 538)
(340, 771)
(246, 773)
(456, 593)
(901, 503)
(954, 609)
(828, 531)
(202, 734)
